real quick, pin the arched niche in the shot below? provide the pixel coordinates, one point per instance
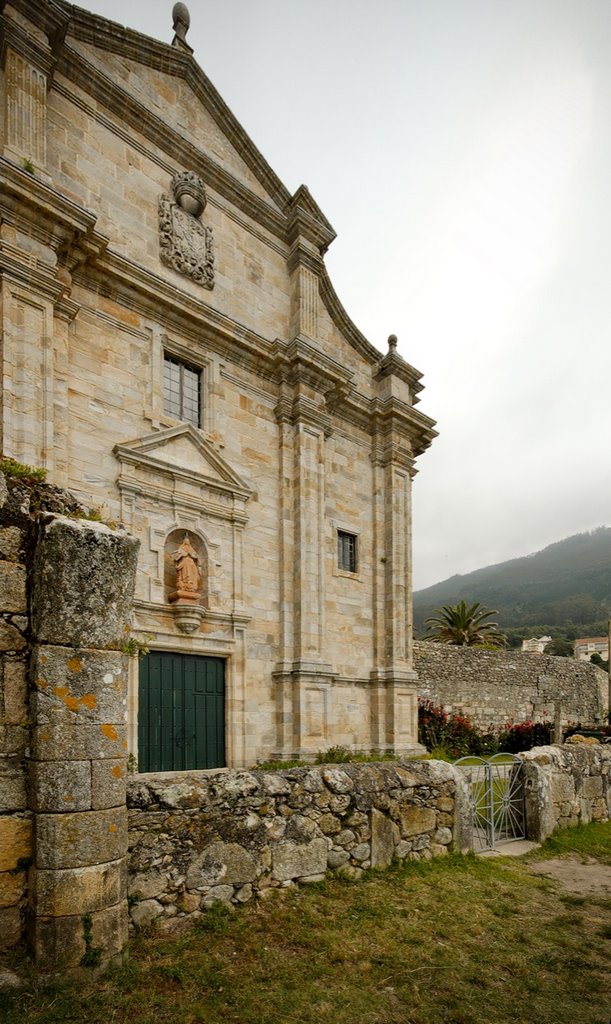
(185, 569)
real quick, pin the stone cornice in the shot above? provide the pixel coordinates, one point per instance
(301, 362)
(343, 322)
(135, 485)
(40, 210)
(306, 220)
(126, 109)
(394, 365)
(12, 37)
(392, 416)
(146, 293)
(108, 35)
(224, 618)
(51, 18)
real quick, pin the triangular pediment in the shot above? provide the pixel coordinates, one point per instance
(183, 452)
(133, 64)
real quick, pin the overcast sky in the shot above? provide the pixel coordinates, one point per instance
(462, 151)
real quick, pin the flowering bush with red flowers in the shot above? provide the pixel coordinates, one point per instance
(517, 736)
(456, 735)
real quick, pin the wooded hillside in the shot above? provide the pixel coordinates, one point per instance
(565, 589)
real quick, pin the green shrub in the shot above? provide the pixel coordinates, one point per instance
(19, 471)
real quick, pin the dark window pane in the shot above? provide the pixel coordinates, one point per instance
(181, 391)
(346, 551)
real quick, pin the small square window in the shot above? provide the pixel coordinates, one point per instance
(181, 391)
(346, 551)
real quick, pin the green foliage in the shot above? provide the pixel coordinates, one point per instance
(456, 736)
(342, 755)
(599, 662)
(560, 647)
(334, 755)
(19, 471)
(28, 165)
(463, 625)
(453, 735)
(136, 648)
(518, 736)
(278, 765)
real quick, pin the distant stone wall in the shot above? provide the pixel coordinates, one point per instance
(199, 839)
(492, 687)
(566, 786)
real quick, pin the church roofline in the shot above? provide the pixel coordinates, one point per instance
(111, 36)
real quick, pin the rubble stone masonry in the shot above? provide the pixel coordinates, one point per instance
(493, 687)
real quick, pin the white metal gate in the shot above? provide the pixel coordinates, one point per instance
(497, 797)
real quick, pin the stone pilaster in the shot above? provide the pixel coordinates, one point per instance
(29, 46)
(397, 433)
(83, 581)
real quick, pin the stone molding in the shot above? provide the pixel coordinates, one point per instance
(220, 476)
(141, 120)
(42, 212)
(108, 35)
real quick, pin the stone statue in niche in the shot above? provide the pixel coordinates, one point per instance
(188, 576)
(184, 243)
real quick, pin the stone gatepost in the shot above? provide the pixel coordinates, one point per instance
(81, 593)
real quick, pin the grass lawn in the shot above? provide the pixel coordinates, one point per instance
(458, 940)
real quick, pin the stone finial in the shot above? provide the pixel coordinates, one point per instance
(181, 19)
(392, 342)
(189, 192)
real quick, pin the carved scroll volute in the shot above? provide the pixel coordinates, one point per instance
(185, 244)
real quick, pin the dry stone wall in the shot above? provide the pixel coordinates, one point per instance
(492, 687)
(199, 839)
(566, 786)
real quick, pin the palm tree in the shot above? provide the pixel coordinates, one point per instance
(461, 626)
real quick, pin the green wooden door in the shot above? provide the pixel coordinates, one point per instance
(181, 712)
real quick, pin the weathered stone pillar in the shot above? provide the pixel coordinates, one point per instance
(82, 589)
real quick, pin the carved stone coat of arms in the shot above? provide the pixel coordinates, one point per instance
(185, 244)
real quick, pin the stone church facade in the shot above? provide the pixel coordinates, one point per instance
(173, 353)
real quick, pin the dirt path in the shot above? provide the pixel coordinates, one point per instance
(583, 876)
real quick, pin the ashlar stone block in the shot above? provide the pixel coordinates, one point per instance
(13, 692)
(10, 927)
(11, 542)
(15, 841)
(12, 887)
(81, 741)
(82, 839)
(62, 893)
(84, 575)
(60, 786)
(12, 588)
(85, 685)
(62, 943)
(108, 783)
